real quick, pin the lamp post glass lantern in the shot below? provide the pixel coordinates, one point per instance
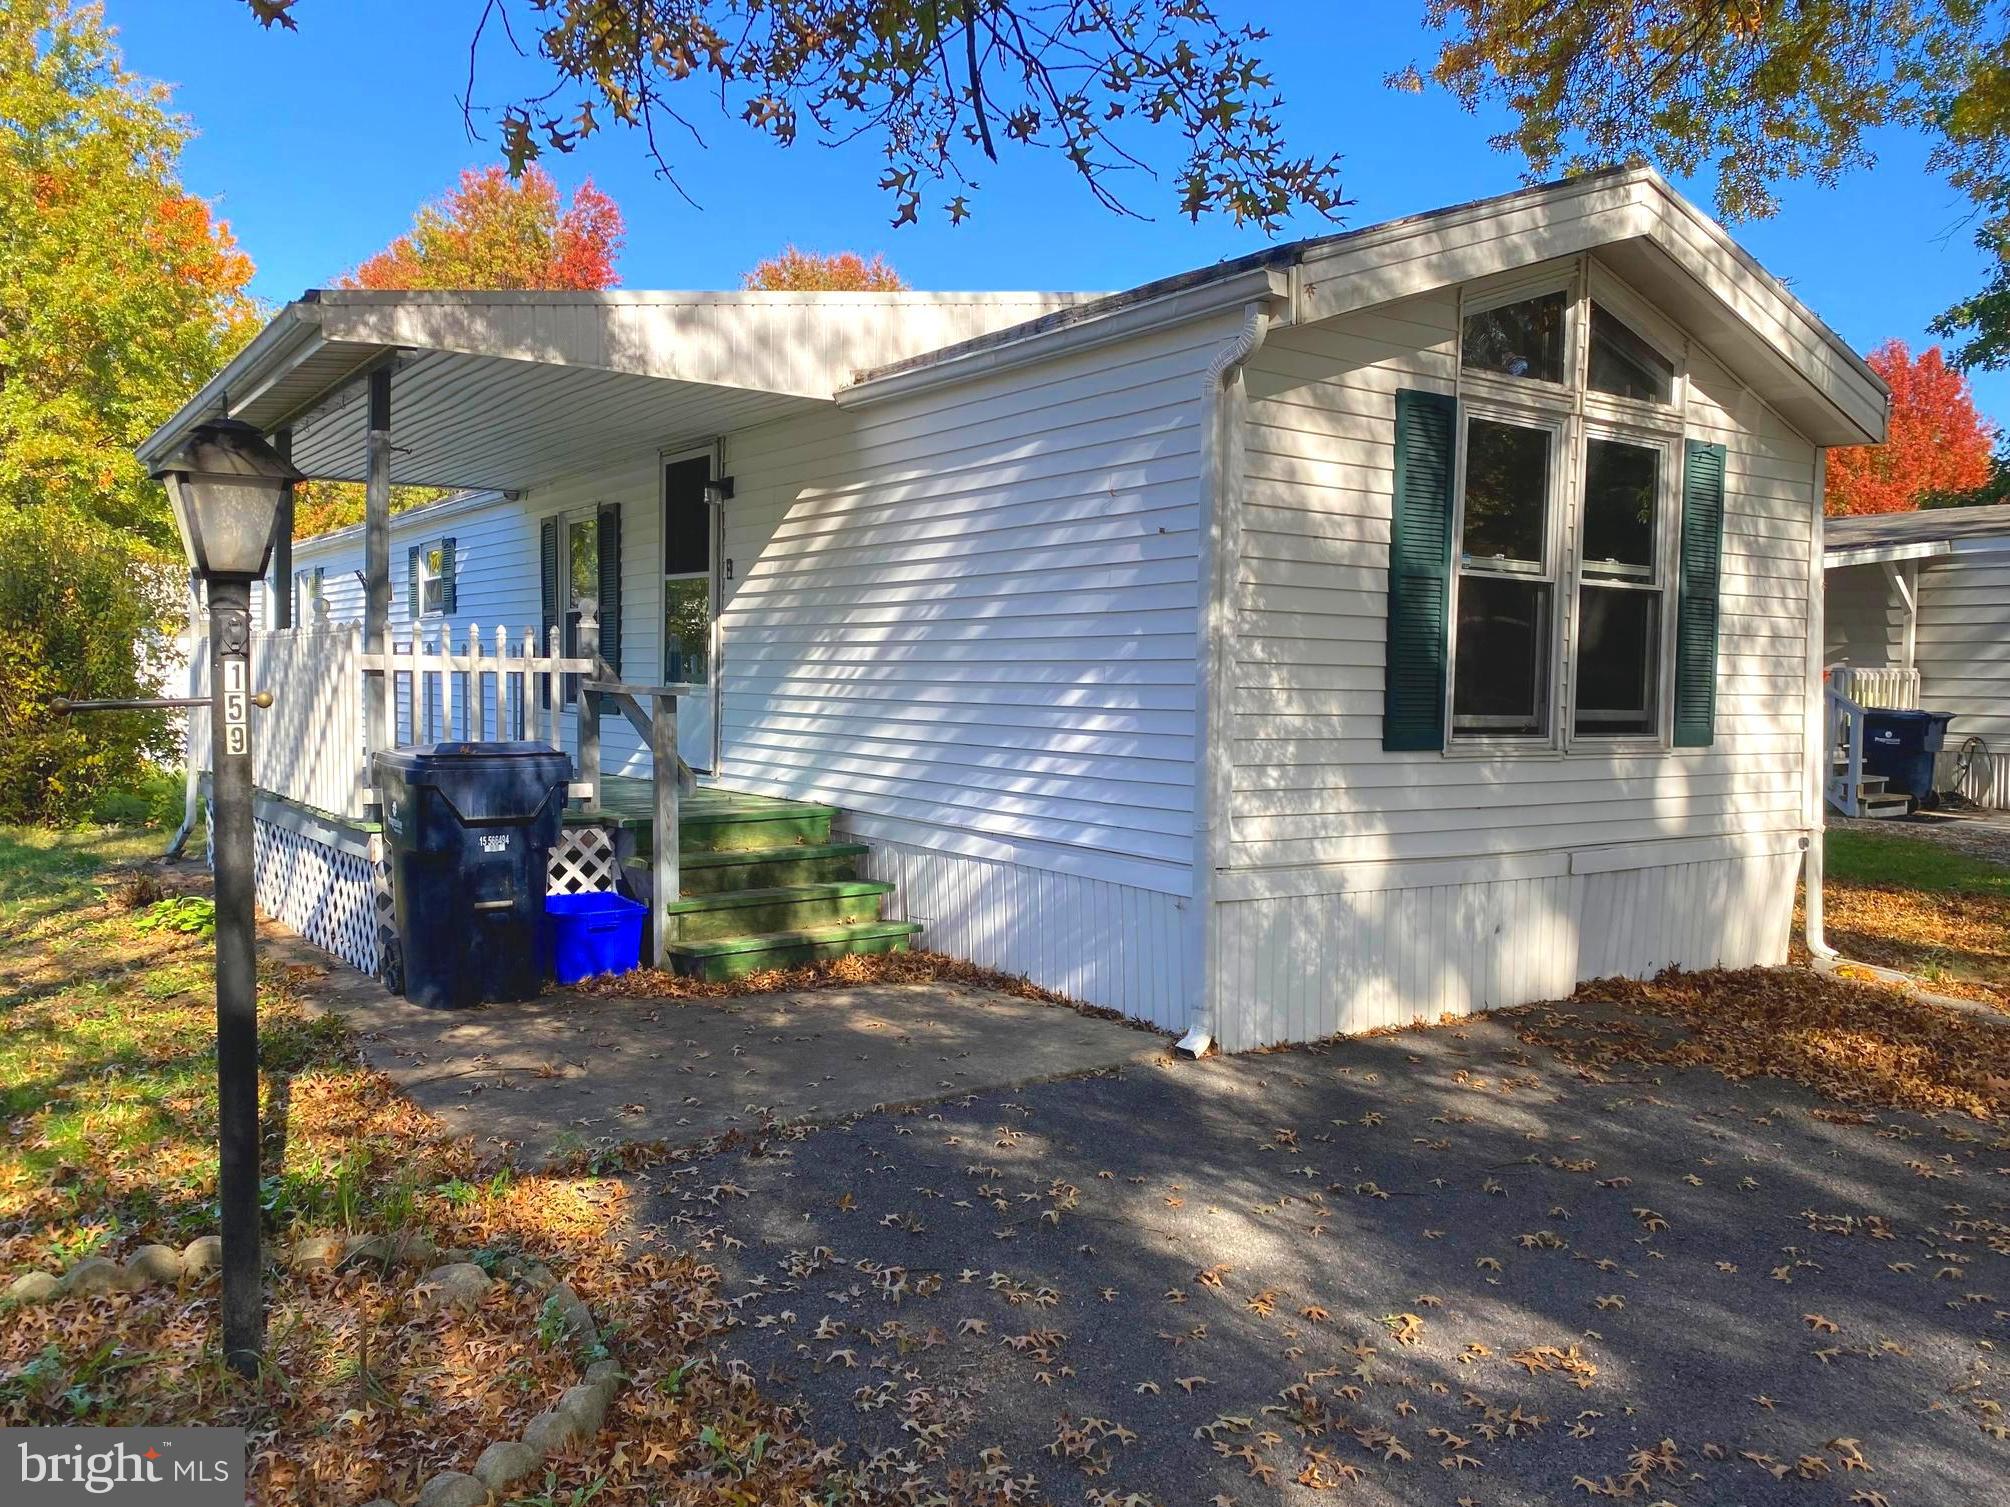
(227, 486)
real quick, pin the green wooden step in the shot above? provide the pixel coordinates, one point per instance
(730, 957)
(765, 868)
(784, 907)
(722, 828)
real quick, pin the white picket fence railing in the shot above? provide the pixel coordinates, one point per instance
(309, 745)
(1883, 687)
(462, 691)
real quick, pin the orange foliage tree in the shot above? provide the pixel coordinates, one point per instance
(818, 272)
(486, 232)
(1939, 443)
(491, 232)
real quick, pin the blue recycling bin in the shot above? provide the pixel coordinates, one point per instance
(1900, 745)
(593, 933)
(470, 827)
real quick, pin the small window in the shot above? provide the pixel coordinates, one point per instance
(1622, 484)
(432, 580)
(1506, 611)
(1618, 662)
(1619, 601)
(1625, 365)
(1501, 684)
(1522, 339)
(1507, 485)
(582, 553)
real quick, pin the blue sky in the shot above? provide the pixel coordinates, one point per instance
(318, 145)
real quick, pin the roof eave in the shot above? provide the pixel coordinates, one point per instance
(287, 337)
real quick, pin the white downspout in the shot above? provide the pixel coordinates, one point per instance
(1815, 738)
(1221, 521)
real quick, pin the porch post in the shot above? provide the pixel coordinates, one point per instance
(279, 575)
(665, 880)
(377, 566)
(586, 709)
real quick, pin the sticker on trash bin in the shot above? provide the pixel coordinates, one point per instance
(495, 842)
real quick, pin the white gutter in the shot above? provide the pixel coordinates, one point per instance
(1882, 554)
(1223, 420)
(1815, 737)
(985, 357)
(294, 330)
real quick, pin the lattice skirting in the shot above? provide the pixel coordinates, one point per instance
(584, 859)
(341, 901)
(325, 894)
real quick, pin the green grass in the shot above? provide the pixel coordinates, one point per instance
(1861, 858)
(108, 1070)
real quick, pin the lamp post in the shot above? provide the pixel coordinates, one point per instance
(227, 486)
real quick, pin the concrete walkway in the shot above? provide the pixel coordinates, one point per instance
(567, 1072)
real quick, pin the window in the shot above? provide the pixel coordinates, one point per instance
(1620, 590)
(582, 554)
(1564, 511)
(434, 573)
(1624, 365)
(1523, 339)
(1500, 679)
(307, 594)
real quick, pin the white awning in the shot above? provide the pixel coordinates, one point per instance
(510, 389)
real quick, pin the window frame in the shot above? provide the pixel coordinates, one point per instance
(1521, 290)
(1667, 559)
(1576, 415)
(1550, 572)
(431, 581)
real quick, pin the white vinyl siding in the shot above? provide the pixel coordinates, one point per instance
(1318, 809)
(972, 611)
(1963, 652)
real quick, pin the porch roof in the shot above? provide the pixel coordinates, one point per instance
(511, 389)
(1870, 538)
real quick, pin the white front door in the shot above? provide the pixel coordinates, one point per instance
(690, 600)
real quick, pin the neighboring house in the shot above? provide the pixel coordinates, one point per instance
(1408, 621)
(1927, 595)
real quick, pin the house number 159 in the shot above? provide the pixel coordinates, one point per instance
(236, 707)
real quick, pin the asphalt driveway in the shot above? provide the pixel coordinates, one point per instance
(1431, 1268)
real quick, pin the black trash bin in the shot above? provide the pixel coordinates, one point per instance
(470, 828)
(1900, 745)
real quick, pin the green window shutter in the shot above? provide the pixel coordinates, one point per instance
(1696, 607)
(548, 583)
(610, 585)
(1420, 570)
(412, 584)
(449, 598)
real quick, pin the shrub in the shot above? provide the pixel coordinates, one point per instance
(85, 612)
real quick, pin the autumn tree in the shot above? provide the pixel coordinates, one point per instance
(119, 295)
(1938, 444)
(1756, 92)
(794, 270)
(491, 231)
(488, 231)
(938, 88)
